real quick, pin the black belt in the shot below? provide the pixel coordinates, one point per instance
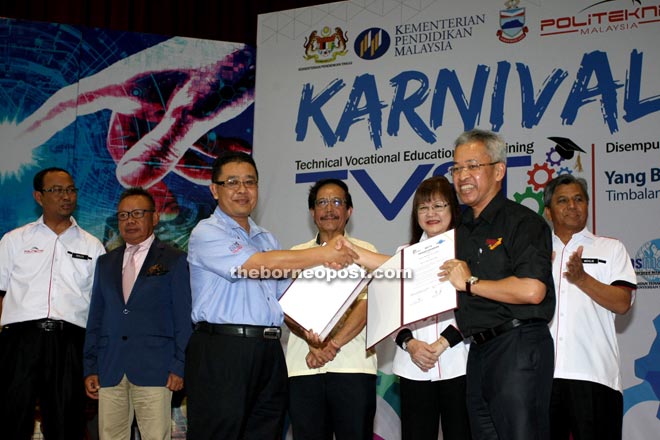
(47, 325)
(487, 335)
(245, 331)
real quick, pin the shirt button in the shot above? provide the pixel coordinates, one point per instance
(126, 311)
(123, 338)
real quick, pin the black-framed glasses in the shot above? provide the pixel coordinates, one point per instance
(236, 183)
(434, 207)
(136, 213)
(335, 202)
(59, 191)
(471, 168)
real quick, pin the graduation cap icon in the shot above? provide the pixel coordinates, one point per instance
(565, 147)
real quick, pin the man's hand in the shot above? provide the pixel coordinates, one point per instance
(174, 382)
(575, 273)
(456, 272)
(92, 386)
(318, 357)
(313, 339)
(339, 255)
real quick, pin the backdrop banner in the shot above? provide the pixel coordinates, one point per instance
(375, 92)
(120, 109)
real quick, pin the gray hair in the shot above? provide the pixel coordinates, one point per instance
(564, 179)
(495, 145)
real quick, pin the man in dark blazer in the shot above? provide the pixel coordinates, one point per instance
(138, 327)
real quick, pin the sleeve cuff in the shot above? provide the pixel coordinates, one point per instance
(452, 335)
(404, 335)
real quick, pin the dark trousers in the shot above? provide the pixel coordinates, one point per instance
(44, 365)
(587, 410)
(339, 403)
(509, 382)
(425, 405)
(237, 387)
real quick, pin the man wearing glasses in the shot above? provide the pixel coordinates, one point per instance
(236, 377)
(503, 273)
(46, 273)
(332, 387)
(138, 327)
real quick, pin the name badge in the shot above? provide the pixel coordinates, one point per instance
(79, 256)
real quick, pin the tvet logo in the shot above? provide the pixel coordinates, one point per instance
(372, 43)
(390, 209)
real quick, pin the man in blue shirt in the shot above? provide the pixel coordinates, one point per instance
(235, 371)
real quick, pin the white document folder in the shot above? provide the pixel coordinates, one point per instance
(318, 298)
(397, 301)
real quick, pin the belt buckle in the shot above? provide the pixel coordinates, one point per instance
(271, 333)
(50, 326)
(478, 338)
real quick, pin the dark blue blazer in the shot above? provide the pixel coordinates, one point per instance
(145, 338)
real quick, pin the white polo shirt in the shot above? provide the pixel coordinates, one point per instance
(586, 347)
(46, 275)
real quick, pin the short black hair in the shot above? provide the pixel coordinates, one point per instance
(229, 157)
(314, 191)
(38, 181)
(138, 191)
(564, 179)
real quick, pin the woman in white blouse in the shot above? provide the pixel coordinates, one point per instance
(432, 386)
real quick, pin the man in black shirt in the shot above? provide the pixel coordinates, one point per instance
(503, 273)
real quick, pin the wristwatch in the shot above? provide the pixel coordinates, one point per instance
(469, 283)
(404, 344)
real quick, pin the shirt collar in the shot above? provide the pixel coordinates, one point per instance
(74, 223)
(582, 236)
(255, 229)
(146, 244)
(318, 237)
(489, 212)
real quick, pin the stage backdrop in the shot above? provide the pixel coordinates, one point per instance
(375, 92)
(119, 109)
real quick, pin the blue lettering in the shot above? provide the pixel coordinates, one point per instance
(391, 209)
(364, 85)
(635, 107)
(499, 92)
(532, 112)
(470, 112)
(311, 107)
(594, 63)
(406, 106)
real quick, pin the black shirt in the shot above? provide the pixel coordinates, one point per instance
(507, 239)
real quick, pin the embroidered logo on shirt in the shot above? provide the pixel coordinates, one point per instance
(33, 250)
(235, 247)
(493, 243)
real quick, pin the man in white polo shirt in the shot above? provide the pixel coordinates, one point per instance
(46, 274)
(594, 281)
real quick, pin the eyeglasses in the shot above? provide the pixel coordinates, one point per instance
(59, 191)
(136, 213)
(436, 207)
(471, 168)
(236, 183)
(336, 202)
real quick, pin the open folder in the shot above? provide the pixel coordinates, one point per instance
(416, 294)
(320, 296)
